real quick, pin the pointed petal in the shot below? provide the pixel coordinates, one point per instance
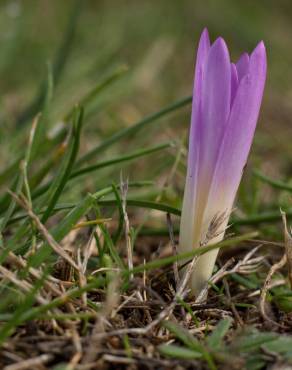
(242, 65)
(203, 50)
(258, 70)
(239, 134)
(211, 121)
(189, 201)
(216, 92)
(234, 83)
(202, 53)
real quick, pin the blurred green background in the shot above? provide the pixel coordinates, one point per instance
(157, 41)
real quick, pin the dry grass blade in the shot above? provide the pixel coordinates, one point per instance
(244, 266)
(286, 259)
(82, 277)
(90, 223)
(51, 282)
(78, 348)
(48, 237)
(22, 284)
(32, 363)
(276, 267)
(288, 247)
(124, 191)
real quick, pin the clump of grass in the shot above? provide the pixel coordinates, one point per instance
(64, 270)
(88, 269)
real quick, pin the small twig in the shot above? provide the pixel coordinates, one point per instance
(238, 319)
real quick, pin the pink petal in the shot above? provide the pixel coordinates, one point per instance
(240, 131)
(234, 82)
(242, 66)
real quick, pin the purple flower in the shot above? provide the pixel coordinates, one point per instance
(226, 104)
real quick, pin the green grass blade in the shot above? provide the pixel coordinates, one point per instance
(144, 204)
(119, 204)
(112, 250)
(281, 345)
(65, 171)
(274, 183)
(190, 341)
(22, 178)
(133, 129)
(41, 129)
(183, 335)
(177, 352)
(119, 159)
(188, 255)
(214, 341)
(265, 217)
(7, 216)
(129, 157)
(104, 83)
(253, 341)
